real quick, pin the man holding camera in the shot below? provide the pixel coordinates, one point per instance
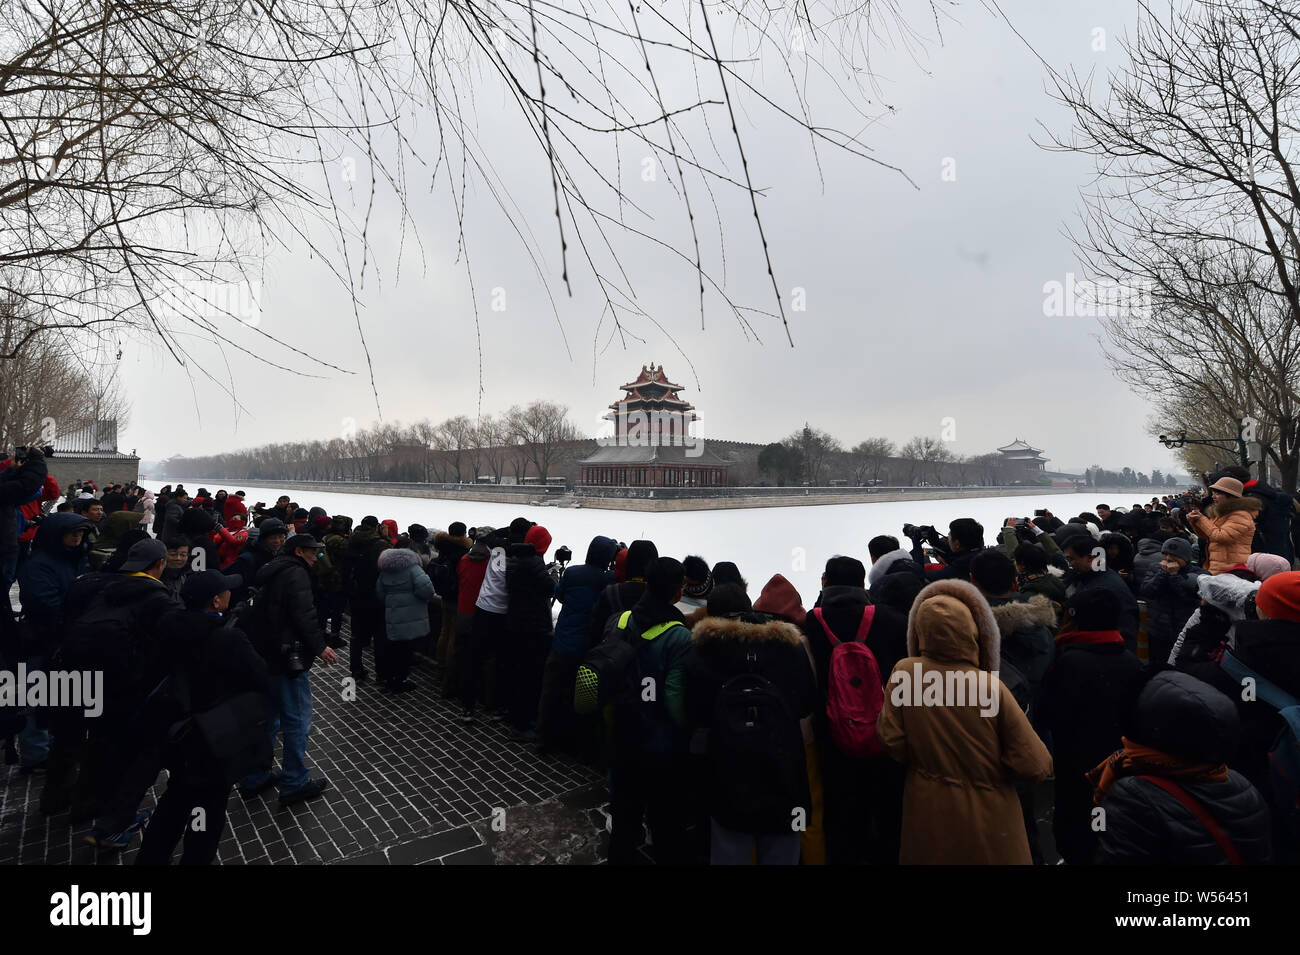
(21, 479)
(288, 635)
(965, 539)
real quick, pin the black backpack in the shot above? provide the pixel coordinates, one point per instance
(233, 735)
(442, 571)
(108, 638)
(608, 671)
(224, 742)
(757, 761)
(262, 620)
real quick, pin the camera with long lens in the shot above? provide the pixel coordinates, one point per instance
(922, 532)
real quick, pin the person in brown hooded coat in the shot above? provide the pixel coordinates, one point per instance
(959, 804)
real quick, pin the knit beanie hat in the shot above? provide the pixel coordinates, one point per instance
(1279, 596)
(1265, 566)
(1178, 547)
(699, 581)
(539, 537)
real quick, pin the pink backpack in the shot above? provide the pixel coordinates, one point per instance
(854, 693)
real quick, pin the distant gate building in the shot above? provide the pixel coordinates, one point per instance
(1024, 462)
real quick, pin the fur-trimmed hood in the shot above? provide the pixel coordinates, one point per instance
(1251, 505)
(745, 628)
(1022, 614)
(442, 539)
(397, 558)
(945, 638)
(881, 566)
(1149, 547)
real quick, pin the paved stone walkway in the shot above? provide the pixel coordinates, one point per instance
(409, 784)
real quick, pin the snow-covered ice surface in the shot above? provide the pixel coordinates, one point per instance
(762, 541)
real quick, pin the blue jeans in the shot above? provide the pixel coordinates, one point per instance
(289, 704)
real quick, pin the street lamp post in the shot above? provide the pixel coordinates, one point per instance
(1222, 444)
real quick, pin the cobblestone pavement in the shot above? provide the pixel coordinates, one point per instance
(408, 784)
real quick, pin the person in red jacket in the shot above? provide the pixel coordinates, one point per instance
(29, 512)
(470, 571)
(230, 540)
(390, 529)
(234, 504)
(49, 492)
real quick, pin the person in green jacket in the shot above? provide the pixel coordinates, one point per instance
(1033, 577)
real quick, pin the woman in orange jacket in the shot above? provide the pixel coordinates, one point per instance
(1228, 525)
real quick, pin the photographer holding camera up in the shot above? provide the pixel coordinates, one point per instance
(20, 481)
(965, 539)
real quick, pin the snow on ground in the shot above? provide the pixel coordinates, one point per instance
(762, 541)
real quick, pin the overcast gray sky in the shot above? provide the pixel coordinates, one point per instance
(921, 304)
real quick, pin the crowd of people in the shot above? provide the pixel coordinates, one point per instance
(1142, 663)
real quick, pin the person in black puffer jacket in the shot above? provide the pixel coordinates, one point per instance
(530, 590)
(218, 663)
(1179, 732)
(1083, 694)
(196, 526)
(1088, 570)
(288, 635)
(451, 545)
(1172, 595)
(752, 804)
(360, 573)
